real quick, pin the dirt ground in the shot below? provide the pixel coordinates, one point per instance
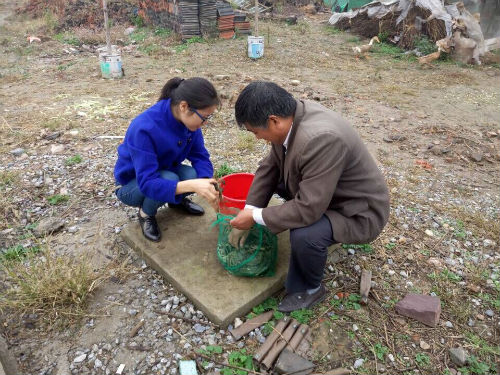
(434, 132)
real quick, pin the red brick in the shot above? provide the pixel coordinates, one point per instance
(425, 309)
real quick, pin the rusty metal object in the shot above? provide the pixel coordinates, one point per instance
(365, 285)
(297, 337)
(271, 339)
(251, 324)
(279, 345)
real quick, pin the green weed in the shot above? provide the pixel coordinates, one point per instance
(349, 303)
(17, 253)
(162, 32)
(224, 170)
(332, 30)
(303, 316)
(67, 38)
(365, 248)
(390, 246)
(137, 20)
(269, 304)
(422, 359)
(353, 39)
(210, 349)
(184, 46)
(62, 67)
(383, 36)
(476, 367)
(424, 45)
(238, 359)
(8, 179)
(139, 35)
(445, 275)
(387, 49)
(57, 199)
(380, 351)
(493, 302)
(73, 160)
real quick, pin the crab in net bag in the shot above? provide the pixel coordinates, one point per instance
(256, 257)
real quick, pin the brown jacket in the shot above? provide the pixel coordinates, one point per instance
(327, 170)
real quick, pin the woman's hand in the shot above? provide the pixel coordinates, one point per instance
(204, 187)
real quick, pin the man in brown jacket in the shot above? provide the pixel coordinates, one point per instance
(333, 190)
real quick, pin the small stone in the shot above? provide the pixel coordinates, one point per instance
(295, 82)
(129, 30)
(199, 328)
(458, 356)
(490, 313)
(48, 226)
(97, 363)
(80, 358)
(424, 345)
(476, 156)
(404, 274)
(237, 322)
(355, 327)
(56, 149)
(351, 251)
(429, 232)
(221, 77)
(17, 151)
(448, 324)
(391, 272)
(480, 316)
(133, 312)
(391, 357)
(73, 229)
(359, 362)
(471, 322)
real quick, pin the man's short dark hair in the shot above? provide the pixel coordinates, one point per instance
(261, 99)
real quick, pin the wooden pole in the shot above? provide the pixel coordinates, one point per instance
(256, 17)
(106, 26)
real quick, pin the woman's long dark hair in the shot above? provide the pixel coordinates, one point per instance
(198, 92)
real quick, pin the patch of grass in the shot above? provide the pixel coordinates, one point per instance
(332, 30)
(303, 316)
(224, 170)
(210, 349)
(73, 160)
(8, 179)
(62, 67)
(162, 32)
(67, 38)
(269, 304)
(390, 246)
(137, 20)
(380, 351)
(17, 253)
(364, 248)
(184, 46)
(352, 302)
(57, 199)
(353, 39)
(422, 359)
(139, 35)
(50, 285)
(477, 367)
(481, 345)
(239, 359)
(445, 275)
(424, 45)
(50, 21)
(383, 36)
(387, 49)
(302, 27)
(246, 141)
(492, 301)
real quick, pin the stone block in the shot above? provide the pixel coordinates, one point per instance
(425, 309)
(289, 362)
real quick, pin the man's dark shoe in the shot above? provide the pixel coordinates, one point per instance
(188, 206)
(150, 228)
(302, 300)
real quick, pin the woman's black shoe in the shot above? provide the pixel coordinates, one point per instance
(188, 206)
(150, 228)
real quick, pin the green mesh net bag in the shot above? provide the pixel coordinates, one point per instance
(258, 255)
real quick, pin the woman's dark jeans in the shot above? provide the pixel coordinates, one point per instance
(130, 194)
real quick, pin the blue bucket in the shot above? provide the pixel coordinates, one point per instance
(255, 47)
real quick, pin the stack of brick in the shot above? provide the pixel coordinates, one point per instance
(188, 18)
(241, 25)
(225, 20)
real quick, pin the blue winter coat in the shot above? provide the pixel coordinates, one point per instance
(156, 141)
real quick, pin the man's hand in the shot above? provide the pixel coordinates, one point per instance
(237, 237)
(244, 220)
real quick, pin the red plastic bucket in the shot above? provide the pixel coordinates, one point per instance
(234, 192)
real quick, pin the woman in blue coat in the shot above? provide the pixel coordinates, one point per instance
(149, 170)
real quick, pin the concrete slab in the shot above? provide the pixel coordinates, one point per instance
(187, 258)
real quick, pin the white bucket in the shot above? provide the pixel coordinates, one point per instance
(255, 47)
(111, 64)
